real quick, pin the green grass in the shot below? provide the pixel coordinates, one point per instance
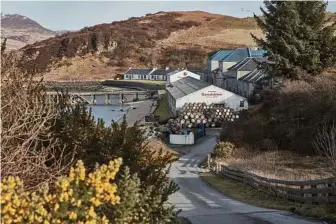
(162, 109)
(242, 192)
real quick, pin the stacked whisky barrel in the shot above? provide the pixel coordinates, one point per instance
(194, 114)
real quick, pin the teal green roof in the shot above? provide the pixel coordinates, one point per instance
(236, 55)
(220, 55)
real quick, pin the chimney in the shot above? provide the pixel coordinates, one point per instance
(167, 68)
(130, 68)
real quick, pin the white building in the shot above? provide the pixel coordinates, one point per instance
(147, 74)
(191, 90)
(180, 74)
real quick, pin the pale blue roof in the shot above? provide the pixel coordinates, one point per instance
(257, 53)
(241, 53)
(220, 55)
(236, 55)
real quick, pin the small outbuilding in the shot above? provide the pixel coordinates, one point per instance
(191, 90)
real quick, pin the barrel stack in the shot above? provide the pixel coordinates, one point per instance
(193, 114)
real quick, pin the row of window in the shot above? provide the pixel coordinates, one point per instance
(155, 77)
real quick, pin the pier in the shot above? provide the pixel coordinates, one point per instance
(90, 97)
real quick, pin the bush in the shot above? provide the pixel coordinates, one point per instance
(75, 198)
(223, 150)
(289, 117)
(40, 140)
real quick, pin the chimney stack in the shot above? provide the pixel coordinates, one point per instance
(167, 68)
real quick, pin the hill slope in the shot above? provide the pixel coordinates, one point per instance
(21, 30)
(173, 39)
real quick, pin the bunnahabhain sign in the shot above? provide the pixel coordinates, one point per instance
(211, 94)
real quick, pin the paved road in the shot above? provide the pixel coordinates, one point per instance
(204, 205)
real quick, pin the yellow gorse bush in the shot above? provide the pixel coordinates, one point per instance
(75, 198)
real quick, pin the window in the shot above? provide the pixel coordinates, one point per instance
(126, 76)
(241, 103)
(145, 76)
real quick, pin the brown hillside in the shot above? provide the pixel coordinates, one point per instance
(175, 39)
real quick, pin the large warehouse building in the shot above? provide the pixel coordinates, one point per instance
(191, 90)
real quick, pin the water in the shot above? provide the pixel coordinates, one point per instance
(108, 112)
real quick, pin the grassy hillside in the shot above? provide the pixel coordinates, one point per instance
(175, 39)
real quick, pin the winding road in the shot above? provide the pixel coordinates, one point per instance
(201, 204)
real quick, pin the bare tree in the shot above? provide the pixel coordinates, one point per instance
(28, 148)
(325, 143)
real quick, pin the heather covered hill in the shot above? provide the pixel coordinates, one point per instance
(175, 39)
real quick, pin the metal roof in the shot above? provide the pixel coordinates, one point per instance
(253, 76)
(196, 71)
(220, 55)
(241, 53)
(162, 71)
(257, 53)
(186, 86)
(248, 64)
(138, 71)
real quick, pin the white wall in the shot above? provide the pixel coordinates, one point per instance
(180, 75)
(242, 73)
(182, 139)
(213, 94)
(214, 65)
(225, 65)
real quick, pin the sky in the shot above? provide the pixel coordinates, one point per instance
(74, 15)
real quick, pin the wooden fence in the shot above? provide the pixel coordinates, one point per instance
(322, 191)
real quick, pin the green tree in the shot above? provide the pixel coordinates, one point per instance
(298, 42)
(145, 168)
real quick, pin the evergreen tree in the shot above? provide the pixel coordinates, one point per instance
(298, 42)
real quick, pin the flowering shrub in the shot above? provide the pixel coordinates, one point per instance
(223, 150)
(76, 198)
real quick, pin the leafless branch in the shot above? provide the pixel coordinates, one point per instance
(28, 148)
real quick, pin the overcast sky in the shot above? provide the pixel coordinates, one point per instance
(74, 15)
